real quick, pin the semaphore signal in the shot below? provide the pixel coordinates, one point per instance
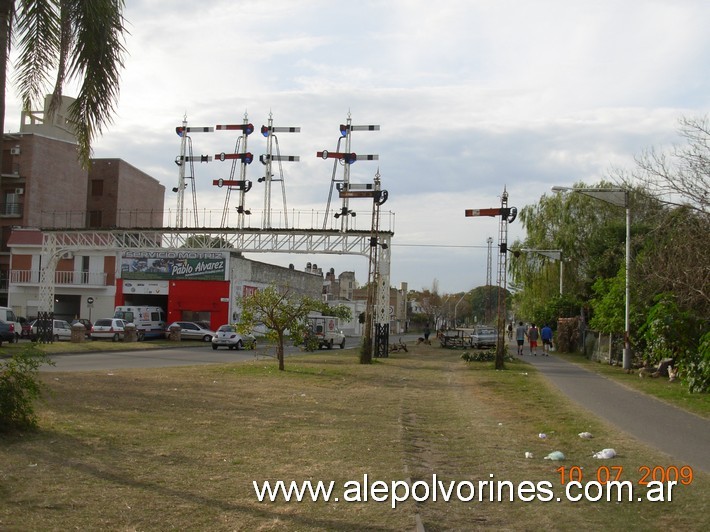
(346, 157)
(507, 215)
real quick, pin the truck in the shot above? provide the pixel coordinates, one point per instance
(327, 331)
(149, 321)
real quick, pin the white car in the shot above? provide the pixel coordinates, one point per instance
(61, 330)
(227, 336)
(108, 328)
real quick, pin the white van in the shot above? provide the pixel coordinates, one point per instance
(326, 330)
(8, 315)
(149, 321)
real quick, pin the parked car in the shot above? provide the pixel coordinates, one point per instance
(26, 327)
(484, 337)
(8, 315)
(191, 330)
(108, 328)
(61, 330)
(227, 336)
(7, 333)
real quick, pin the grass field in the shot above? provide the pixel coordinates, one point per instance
(180, 448)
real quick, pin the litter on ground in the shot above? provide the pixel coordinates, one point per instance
(555, 455)
(586, 435)
(605, 454)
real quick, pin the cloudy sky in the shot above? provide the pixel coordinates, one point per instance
(472, 97)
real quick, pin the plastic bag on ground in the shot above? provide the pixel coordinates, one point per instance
(605, 454)
(555, 455)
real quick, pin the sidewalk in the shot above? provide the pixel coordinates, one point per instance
(680, 434)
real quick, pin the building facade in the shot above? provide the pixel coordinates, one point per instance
(43, 186)
(189, 284)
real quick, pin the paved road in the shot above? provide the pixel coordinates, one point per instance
(682, 435)
(171, 356)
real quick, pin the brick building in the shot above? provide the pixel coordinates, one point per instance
(42, 185)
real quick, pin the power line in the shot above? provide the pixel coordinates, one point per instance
(437, 246)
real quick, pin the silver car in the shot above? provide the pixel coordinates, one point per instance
(190, 330)
(484, 337)
(61, 330)
(227, 336)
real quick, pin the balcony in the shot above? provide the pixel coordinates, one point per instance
(11, 209)
(61, 278)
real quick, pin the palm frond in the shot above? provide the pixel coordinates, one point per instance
(38, 34)
(97, 59)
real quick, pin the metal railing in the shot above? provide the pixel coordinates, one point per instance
(60, 278)
(211, 218)
(12, 209)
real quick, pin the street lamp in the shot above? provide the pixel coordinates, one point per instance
(620, 198)
(457, 306)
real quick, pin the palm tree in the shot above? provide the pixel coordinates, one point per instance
(70, 40)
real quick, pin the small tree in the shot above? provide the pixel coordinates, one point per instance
(19, 388)
(282, 310)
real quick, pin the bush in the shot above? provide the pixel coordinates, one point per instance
(20, 388)
(488, 355)
(696, 369)
(567, 340)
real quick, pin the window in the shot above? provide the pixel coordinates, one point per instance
(95, 219)
(97, 187)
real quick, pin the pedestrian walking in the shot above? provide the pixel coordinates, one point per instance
(520, 334)
(533, 336)
(546, 337)
(427, 332)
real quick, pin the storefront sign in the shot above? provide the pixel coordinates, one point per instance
(176, 265)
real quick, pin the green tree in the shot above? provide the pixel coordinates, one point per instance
(74, 41)
(282, 310)
(591, 235)
(608, 304)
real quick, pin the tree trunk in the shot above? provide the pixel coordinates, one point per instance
(7, 8)
(280, 350)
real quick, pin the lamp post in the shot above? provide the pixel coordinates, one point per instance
(620, 198)
(457, 306)
(555, 254)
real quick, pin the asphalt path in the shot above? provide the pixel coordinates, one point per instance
(682, 435)
(165, 357)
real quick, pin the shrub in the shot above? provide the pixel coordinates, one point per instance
(696, 369)
(20, 388)
(487, 355)
(567, 338)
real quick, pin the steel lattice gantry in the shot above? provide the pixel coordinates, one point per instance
(55, 243)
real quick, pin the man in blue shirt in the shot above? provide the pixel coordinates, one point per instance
(546, 336)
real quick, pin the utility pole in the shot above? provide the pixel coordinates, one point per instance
(489, 281)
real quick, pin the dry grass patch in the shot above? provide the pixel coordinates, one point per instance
(180, 447)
